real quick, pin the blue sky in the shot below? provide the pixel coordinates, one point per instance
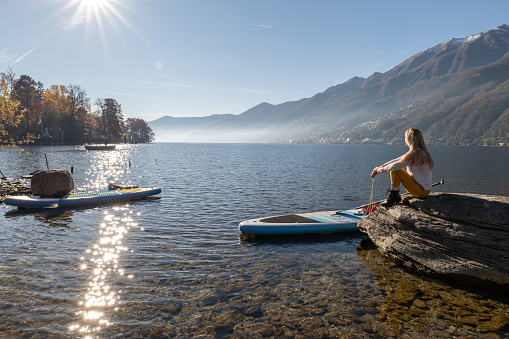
(203, 57)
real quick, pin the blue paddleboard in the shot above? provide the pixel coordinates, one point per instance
(305, 223)
(79, 199)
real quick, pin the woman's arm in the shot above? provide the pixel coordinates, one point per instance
(390, 166)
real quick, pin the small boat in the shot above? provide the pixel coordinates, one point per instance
(80, 199)
(98, 147)
(305, 223)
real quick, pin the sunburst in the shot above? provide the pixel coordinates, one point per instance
(95, 7)
(103, 13)
(98, 10)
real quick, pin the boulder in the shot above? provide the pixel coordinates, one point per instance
(461, 238)
(56, 181)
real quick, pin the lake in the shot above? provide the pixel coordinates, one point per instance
(175, 265)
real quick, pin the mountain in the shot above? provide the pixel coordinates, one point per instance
(473, 105)
(168, 122)
(456, 76)
(453, 91)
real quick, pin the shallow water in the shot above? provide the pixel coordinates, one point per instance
(175, 266)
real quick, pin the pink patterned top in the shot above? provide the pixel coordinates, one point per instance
(420, 172)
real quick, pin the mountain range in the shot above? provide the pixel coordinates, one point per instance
(456, 92)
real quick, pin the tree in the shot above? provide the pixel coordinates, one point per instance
(111, 118)
(78, 104)
(91, 125)
(9, 108)
(29, 94)
(62, 111)
(139, 130)
(54, 110)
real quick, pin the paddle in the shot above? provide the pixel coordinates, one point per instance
(441, 182)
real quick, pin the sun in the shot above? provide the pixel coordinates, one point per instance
(95, 8)
(100, 13)
(103, 20)
(94, 4)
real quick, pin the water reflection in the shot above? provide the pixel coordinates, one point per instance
(51, 217)
(101, 261)
(306, 243)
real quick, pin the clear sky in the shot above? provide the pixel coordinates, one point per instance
(203, 57)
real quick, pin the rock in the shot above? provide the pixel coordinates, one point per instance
(405, 292)
(461, 238)
(52, 181)
(253, 311)
(13, 187)
(498, 323)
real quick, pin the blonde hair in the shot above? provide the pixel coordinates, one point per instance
(418, 149)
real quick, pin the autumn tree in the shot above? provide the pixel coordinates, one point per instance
(139, 130)
(54, 110)
(9, 108)
(78, 106)
(29, 94)
(112, 119)
(91, 125)
(27, 108)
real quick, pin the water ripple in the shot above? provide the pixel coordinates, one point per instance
(175, 265)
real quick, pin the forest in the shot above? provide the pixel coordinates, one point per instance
(31, 113)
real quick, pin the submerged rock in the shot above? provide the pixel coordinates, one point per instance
(421, 307)
(461, 238)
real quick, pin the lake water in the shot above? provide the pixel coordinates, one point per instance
(175, 266)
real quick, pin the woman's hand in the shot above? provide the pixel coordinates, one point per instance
(375, 172)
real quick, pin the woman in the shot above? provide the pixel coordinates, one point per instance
(417, 177)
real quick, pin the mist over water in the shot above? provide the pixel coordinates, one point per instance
(247, 135)
(174, 265)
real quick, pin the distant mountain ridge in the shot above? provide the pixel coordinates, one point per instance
(181, 129)
(179, 123)
(472, 106)
(432, 90)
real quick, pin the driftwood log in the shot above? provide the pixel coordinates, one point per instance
(460, 238)
(13, 187)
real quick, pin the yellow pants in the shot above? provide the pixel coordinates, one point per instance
(402, 177)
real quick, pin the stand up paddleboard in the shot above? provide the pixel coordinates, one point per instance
(80, 199)
(307, 223)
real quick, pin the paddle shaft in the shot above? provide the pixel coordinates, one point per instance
(441, 182)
